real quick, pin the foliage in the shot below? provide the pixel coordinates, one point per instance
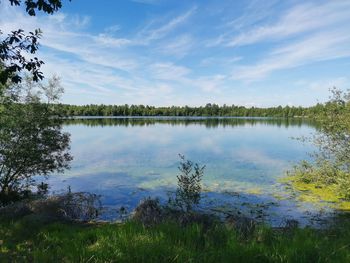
(179, 208)
(31, 140)
(207, 110)
(47, 6)
(149, 212)
(42, 189)
(80, 206)
(12, 51)
(14, 48)
(189, 187)
(331, 163)
(333, 138)
(29, 240)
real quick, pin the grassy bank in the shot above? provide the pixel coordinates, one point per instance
(32, 240)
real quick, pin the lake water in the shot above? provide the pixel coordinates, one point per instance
(127, 159)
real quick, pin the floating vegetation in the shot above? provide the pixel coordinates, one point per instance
(278, 197)
(254, 191)
(325, 195)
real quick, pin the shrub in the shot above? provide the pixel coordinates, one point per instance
(189, 186)
(68, 206)
(149, 212)
(80, 205)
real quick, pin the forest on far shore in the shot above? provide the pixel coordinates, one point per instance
(207, 110)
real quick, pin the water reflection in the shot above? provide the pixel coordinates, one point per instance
(125, 159)
(205, 121)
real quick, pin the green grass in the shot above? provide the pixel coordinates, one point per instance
(32, 240)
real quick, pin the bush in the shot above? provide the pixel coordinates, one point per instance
(69, 206)
(79, 206)
(189, 186)
(149, 212)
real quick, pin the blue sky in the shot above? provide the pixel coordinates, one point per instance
(171, 52)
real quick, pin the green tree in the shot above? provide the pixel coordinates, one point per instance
(334, 136)
(31, 139)
(331, 163)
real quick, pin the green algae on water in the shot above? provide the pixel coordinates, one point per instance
(324, 195)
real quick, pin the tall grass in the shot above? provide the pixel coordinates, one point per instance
(29, 240)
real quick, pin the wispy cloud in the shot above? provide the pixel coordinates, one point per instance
(178, 46)
(107, 40)
(188, 53)
(318, 47)
(255, 12)
(323, 85)
(299, 19)
(226, 61)
(211, 84)
(168, 71)
(152, 32)
(112, 29)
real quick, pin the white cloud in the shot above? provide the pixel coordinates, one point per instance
(227, 61)
(318, 47)
(324, 85)
(106, 40)
(168, 71)
(300, 19)
(167, 61)
(112, 29)
(92, 65)
(256, 11)
(211, 84)
(150, 34)
(177, 47)
(80, 22)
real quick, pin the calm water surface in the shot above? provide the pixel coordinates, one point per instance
(127, 159)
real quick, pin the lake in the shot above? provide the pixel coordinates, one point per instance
(127, 159)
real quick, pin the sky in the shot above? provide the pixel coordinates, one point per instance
(183, 52)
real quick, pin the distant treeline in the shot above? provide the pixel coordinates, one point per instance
(207, 110)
